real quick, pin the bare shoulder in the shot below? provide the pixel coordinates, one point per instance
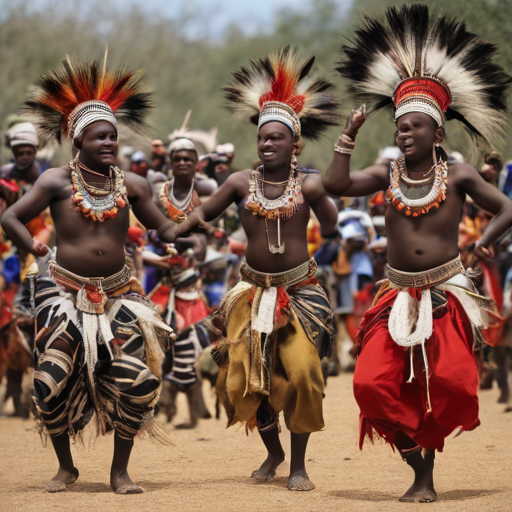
(312, 185)
(55, 179)
(206, 187)
(462, 174)
(136, 185)
(238, 181)
(239, 177)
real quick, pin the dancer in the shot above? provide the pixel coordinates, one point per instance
(277, 321)
(99, 346)
(416, 379)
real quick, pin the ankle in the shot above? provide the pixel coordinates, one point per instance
(67, 469)
(297, 467)
(276, 455)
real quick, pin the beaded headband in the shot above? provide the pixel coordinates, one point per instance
(282, 113)
(422, 94)
(87, 113)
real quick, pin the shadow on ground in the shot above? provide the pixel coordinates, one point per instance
(456, 495)
(467, 494)
(102, 487)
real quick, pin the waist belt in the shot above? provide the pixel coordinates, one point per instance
(73, 281)
(280, 279)
(427, 278)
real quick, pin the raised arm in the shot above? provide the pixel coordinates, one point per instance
(37, 199)
(325, 210)
(338, 180)
(487, 197)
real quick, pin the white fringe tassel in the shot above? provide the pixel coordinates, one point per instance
(408, 314)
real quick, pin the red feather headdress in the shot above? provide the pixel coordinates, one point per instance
(68, 99)
(278, 88)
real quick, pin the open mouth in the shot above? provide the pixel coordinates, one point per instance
(268, 153)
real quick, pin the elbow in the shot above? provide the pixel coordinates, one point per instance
(5, 220)
(329, 226)
(337, 187)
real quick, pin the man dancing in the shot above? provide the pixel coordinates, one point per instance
(277, 321)
(98, 345)
(416, 379)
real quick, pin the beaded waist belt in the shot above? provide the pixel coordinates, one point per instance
(280, 279)
(428, 278)
(73, 281)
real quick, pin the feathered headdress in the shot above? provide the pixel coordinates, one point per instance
(432, 66)
(278, 88)
(68, 99)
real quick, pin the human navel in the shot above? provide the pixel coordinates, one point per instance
(99, 253)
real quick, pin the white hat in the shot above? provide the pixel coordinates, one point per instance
(181, 145)
(21, 134)
(226, 149)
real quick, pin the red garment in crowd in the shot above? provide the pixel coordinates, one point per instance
(389, 404)
(190, 311)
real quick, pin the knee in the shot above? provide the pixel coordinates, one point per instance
(53, 371)
(136, 382)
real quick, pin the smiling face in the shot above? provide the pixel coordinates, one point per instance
(24, 156)
(416, 133)
(275, 145)
(98, 144)
(183, 164)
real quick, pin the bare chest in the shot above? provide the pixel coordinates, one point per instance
(70, 223)
(443, 220)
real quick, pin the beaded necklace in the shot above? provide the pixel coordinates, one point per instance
(280, 208)
(98, 203)
(416, 197)
(177, 210)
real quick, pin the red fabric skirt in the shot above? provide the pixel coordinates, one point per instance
(390, 404)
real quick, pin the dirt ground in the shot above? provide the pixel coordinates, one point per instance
(209, 468)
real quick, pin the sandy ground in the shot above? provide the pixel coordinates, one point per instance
(208, 469)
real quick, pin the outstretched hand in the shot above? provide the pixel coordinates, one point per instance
(355, 120)
(39, 249)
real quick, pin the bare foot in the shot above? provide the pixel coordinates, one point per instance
(422, 490)
(187, 425)
(299, 481)
(122, 484)
(63, 478)
(267, 470)
(418, 494)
